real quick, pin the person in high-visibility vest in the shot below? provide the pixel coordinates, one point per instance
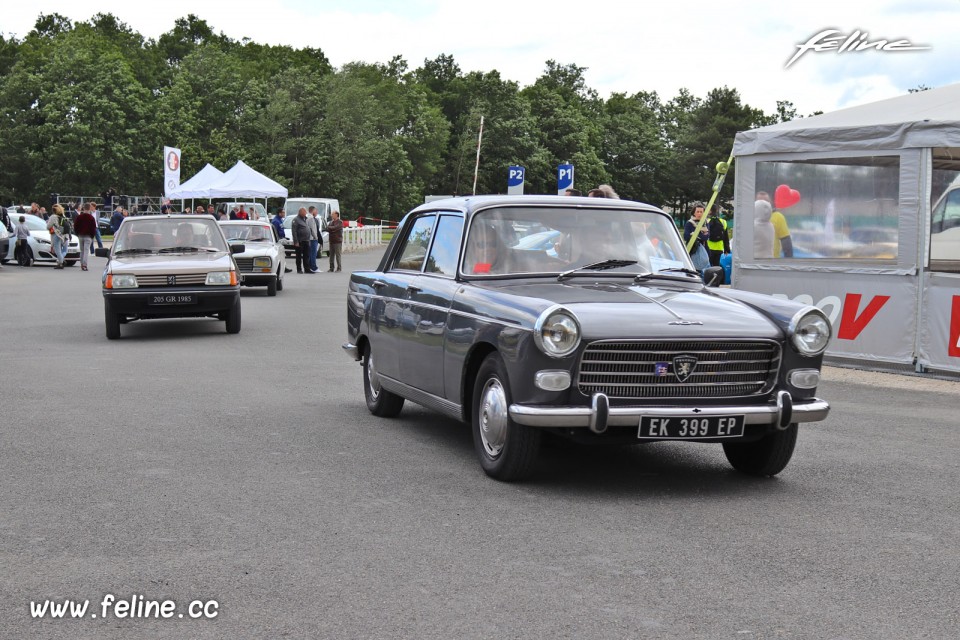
(718, 243)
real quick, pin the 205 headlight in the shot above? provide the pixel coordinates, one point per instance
(121, 281)
(810, 332)
(557, 332)
(222, 278)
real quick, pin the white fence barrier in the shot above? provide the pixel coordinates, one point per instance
(360, 238)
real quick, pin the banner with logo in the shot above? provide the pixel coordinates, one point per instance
(940, 333)
(171, 170)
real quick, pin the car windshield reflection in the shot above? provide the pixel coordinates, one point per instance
(168, 235)
(509, 241)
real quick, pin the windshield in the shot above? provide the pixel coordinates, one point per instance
(555, 240)
(168, 235)
(247, 232)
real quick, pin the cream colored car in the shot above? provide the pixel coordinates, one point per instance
(172, 266)
(262, 261)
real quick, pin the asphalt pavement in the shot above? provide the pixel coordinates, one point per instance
(242, 476)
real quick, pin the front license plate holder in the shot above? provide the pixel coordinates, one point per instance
(172, 298)
(690, 428)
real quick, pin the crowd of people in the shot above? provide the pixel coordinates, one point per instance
(307, 230)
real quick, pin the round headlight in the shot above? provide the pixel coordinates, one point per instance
(811, 332)
(557, 332)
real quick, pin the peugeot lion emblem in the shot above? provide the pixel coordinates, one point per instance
(171, 280)
(683, 367)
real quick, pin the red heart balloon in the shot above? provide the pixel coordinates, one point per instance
(785, 197)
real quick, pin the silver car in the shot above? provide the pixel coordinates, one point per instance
(39, 245)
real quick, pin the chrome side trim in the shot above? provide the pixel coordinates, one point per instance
(463, 314)
(428, 400)
(811, 411)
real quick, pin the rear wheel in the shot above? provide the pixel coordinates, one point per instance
(233, 318)
(380, 402)
(507, 450)
(765, 457)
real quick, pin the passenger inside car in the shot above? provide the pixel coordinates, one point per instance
(484, 253)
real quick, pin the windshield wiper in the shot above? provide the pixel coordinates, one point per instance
(598, 266)
(122, 252)
(186, 249)
(662, 274)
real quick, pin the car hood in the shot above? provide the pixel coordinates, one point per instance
(253, 249)
(605, 309)
(45, 235)
(172, 263)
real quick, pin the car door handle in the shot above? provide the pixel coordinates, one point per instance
(379, 284)
(413, 289)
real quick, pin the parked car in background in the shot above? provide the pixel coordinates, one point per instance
(261, 263)
(170, 266)
(612, 337)
(103, 223)
(39, 246)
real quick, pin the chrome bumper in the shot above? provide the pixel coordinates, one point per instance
(781, 414)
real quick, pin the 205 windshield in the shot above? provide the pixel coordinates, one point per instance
(566, 240)
(169, 236)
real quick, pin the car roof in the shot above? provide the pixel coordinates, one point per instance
(471, 204)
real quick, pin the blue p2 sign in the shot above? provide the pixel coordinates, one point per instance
(564, 178)
(515, 178)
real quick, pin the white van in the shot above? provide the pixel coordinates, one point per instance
(254, 210)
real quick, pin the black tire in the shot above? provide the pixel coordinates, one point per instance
(69, 263)
(766, 457)
(111, 321)
(279, 279)
(380, 402)
(272, 288)
(507, 450)
(233, 318)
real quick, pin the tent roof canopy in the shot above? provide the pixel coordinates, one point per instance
(240, 181)
(928, 118)
(193, 188)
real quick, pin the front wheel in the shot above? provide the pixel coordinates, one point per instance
(765, 457)
(112, 323)
(272, 288)
(279, 279)
(233, 318)
(69, 263)
(507, 450)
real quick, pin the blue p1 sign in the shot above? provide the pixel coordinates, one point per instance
(564, 178)
(515, 178)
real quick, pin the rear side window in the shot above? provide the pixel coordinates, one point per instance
(413, 251)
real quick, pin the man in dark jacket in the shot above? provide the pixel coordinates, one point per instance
(335, 229)
(300, 230)
(116, 220)
(85, 227)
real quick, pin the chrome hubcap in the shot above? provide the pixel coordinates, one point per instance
(493, 417)
(373, 379)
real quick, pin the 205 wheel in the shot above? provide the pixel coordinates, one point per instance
(233, 318)
(380, 402)
(507, 450)
(766, 457)
(111, 322)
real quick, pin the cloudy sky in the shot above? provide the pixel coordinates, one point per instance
(626, 47)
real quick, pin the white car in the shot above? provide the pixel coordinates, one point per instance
(39, 246)
(288, 236)
(262, 262)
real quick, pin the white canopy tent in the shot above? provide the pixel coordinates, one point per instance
(195, 186)
(241, 181)
(866, 188)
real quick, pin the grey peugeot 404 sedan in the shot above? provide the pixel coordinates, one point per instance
(171, 266)
(604, 333)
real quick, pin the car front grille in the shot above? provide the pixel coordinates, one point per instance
(679, 370)
(179, 279)
(244, 264)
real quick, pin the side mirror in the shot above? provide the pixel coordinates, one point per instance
(237, 248)
(102, 253)
(713, 276)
